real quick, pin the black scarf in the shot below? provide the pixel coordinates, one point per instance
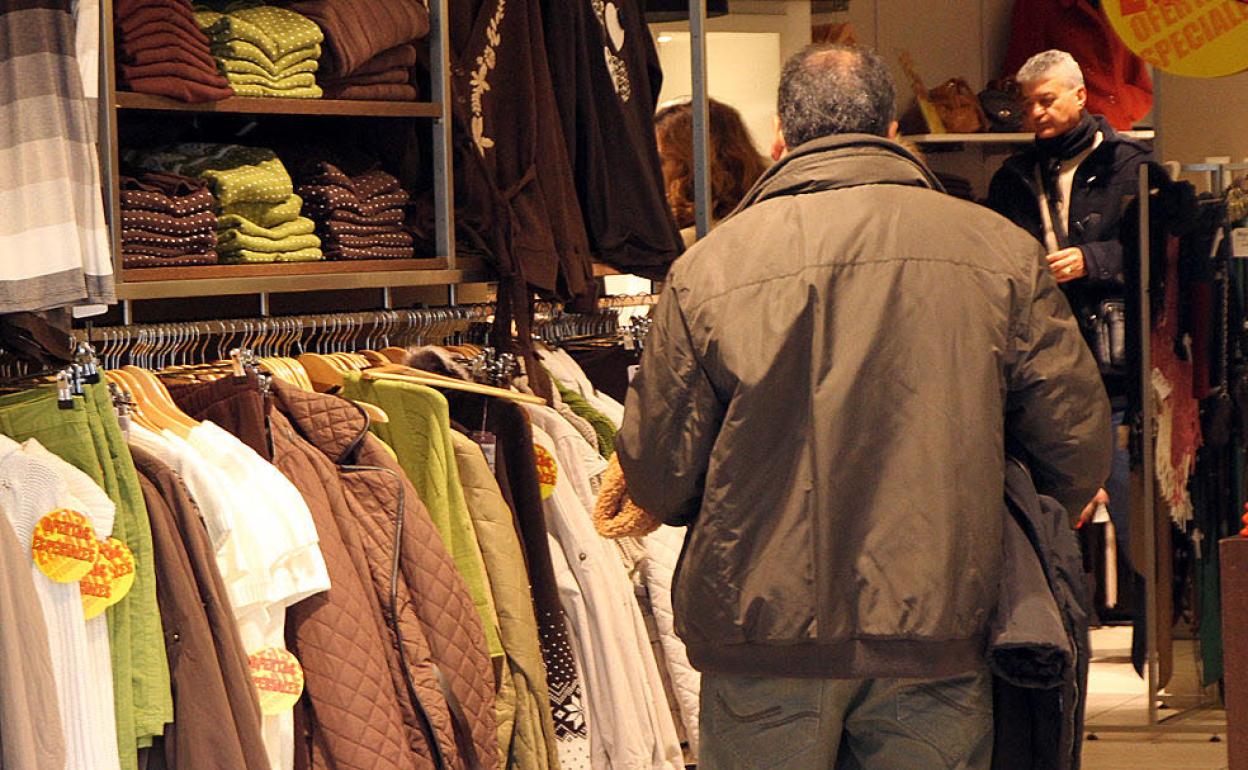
(1053, 152)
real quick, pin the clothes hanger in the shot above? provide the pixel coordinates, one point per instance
(397, 373)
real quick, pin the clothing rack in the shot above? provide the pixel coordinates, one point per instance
(160, 345)
(1220, 176)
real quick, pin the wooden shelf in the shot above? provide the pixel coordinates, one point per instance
(1004, 139)
(220, 280)
(127, 100)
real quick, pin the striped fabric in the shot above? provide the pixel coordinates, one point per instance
(54, 248)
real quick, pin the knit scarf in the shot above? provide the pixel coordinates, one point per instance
(1053, 152)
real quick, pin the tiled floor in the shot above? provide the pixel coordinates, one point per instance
(1117, 696)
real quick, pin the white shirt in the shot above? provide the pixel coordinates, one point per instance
(82, 494)
(30, 488)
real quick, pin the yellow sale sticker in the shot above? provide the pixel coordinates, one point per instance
(278, 679)
(1194, 38)
(64, 546)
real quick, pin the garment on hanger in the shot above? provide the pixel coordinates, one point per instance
(217, 720)
(33, 488)
(419, 432)
(515, 469)
(606, 80)
(89, 438)
(630, 724)
(49, 171)
(527, 739)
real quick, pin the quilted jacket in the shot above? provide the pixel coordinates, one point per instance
(526, 730)
(374, 675)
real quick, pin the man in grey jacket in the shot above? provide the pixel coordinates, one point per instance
(825, 401)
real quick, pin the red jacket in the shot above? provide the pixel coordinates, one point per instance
(1119, 86)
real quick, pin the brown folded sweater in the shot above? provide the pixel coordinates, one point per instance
(399, 57)
(135, 261)
(181, 89)
(144, 20)
(388, 219)
(359, 30)
(336, 197)
(160, 251)
(335, 251)
(167, 53)
(395, 239)
(335, 228)
(169, 185)
(195, 73)
(384, 92)
(144, 201)
(163, 38)
(159, 222)
(139, 240)
(396, 75)
(124, 8)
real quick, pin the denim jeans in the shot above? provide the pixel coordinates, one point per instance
(757, 723)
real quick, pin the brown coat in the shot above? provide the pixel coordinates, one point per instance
(369, 679)
(216, 715)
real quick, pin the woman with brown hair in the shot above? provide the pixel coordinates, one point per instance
(735, 163)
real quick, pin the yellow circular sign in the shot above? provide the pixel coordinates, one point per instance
(97, 587)
(1195, 38)
(547, 470)
(278, 679)
(121, 560)
(64, 546)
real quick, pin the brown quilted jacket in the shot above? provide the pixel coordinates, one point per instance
(371, 689)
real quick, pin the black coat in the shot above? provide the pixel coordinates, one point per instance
(1038, 649)
(1104, 183)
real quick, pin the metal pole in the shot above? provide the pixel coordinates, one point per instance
(1148, 501)
(443, 170)
(700, 108)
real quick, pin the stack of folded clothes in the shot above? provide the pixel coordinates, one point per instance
(161, 50)
(357, 217)
(166, 221)
(264, 50)
(369, 51)
(259, 217)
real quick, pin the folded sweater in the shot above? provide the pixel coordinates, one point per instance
(159, 222)
(242, 50)
(244, 67)
(239, 227)
(180, 88)
(248, 256)
(263, 214)
(235, 173)
(384, 92)
(133, 261)
(278, 32)
(358, 31)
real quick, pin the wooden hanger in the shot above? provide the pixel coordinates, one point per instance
(326, 373)
(153, 401)
(396, 355)
(397, 373)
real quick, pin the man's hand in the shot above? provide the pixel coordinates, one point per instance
(1067, 264)
(1089, 510)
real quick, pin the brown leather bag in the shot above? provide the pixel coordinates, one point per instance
(959, 107)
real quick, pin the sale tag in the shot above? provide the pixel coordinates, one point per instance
(121, 559)
(278, 679)
(489, 447)
(64, 546)
(97, 587)
(547, 471)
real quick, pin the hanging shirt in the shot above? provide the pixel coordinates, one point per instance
(82, 494)
(31, 489)
(630, 723)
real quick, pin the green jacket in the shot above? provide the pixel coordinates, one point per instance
(419, 431)
(526, 730)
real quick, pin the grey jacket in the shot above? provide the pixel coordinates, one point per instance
(825, 397)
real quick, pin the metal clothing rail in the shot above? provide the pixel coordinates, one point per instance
(1220, 178)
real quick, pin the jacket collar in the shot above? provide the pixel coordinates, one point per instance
(331, 424)
(839, 162)
(1025, 162)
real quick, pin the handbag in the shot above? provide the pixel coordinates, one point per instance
(1003, 104)
(959, 108)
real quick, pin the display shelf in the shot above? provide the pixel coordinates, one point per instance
(220, 280)
(128, 100)
(1004, 139)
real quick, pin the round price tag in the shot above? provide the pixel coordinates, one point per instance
(121, 560)
(1195, 38)
(278, 679)
(64, 546)
(547, 471)
(97, 587)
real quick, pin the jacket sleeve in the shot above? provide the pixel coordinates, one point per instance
(671, 420)
(1103, 261)
(1057, 410)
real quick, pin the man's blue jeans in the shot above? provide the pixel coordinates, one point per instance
(758, 723)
